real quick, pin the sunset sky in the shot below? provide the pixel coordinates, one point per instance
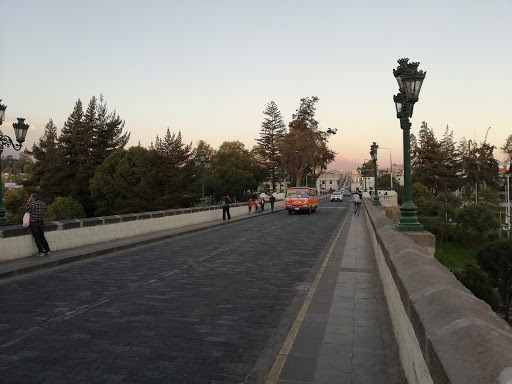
(209, 68)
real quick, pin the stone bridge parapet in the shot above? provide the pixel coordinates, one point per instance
(445, 334)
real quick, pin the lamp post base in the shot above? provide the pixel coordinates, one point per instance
(3, 220)
(376, 202)
(408, 221)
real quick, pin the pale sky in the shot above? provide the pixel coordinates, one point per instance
(208, 68)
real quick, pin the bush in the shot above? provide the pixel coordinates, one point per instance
(496, 260)
(477, 281)
(64, 208)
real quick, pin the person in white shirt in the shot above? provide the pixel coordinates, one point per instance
(356, 199)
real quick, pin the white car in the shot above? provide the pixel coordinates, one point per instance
(336, 196)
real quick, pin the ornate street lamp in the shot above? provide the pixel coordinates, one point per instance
(203, 164)
(20, 130)
(409, 81)
(373, 154)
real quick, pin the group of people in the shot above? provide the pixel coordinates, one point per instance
(258, 204)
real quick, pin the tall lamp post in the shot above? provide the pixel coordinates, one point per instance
(364, 175)
(409, 81)
(203, 164)
(373, 154)
(20, 130)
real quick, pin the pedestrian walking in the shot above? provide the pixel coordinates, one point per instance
(262, 203)
(225, 201)
(250, 205)
(272, 201)
(37, 208)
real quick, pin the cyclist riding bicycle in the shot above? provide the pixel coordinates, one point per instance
(357, 197)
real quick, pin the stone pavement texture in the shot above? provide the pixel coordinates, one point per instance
(346, 334)
(208, 304)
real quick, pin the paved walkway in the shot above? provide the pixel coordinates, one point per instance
(343, 333)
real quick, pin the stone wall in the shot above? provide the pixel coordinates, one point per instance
(445, 334)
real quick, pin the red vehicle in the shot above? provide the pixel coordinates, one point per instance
(301, 199)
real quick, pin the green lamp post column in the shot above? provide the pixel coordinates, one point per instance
(203, 164)
(364, 175)
(20, 130)
(373, 154)
(409, 81)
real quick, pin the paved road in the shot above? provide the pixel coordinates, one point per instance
(211, 307)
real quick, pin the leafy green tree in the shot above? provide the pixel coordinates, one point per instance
(234, 171)
(496, 260)
(477, 281)
(473, 221)
(384, 182)
(272, 132)
(15, 205)
(64, 208)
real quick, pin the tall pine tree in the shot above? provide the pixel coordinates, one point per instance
(272, 131)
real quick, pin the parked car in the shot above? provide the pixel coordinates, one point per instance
(336, 196)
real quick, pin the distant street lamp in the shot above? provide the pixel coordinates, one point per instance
(20, 130)
(203, 164)
(373, 154)
(409, 81)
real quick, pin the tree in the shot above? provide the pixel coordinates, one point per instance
(64, 208)
(477, 281)
(496, 260)
(86, 140)
(429, 161)
(171, 170)
(272, 132)
(235, 172)
(384, 182)
(305, 146)
(473, 220)
(46, 172)
(507, 148)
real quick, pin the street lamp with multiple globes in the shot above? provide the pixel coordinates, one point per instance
(409, 81)
(20, 130)
(373, 154)
(203, 164)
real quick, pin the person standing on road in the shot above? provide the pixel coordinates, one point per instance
(250, 205)
(262, 203)
(37, 208)
(256, 205)
(272, 201)
(225, 201)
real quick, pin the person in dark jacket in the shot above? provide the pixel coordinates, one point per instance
(225, 201)
(272, 201)
(37, 208)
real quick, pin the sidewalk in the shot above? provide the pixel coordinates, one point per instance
(345, 334)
